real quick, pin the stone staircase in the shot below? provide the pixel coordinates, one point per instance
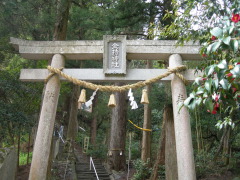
(84, 173)
(82, 167)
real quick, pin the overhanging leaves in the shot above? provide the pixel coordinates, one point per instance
(224, 83)
(208, 85)
(218, 32)
(227, 40)
(215, 46)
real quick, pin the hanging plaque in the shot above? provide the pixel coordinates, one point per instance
(114, 56)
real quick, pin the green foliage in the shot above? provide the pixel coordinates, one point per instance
(218, 88)
(142, 170)
(33, 20)
(205, 164)
(135, 145)
(91, 20)
(98, 151)
(194, 19)
(23, 158)
(161, 172)
(18, 102)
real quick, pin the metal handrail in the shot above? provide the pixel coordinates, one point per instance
(91, 162)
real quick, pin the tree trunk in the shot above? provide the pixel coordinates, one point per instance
(29, 144)
(226, 145)
(146, 138)
(93, 130)
(73, 122)
(11, 135)
(161, 153)
(18, 148)
(220, 147)
(60, 29)
(116, 153)
(171, 169)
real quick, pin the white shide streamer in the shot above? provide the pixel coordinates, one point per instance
(89, 102)
(131, 99)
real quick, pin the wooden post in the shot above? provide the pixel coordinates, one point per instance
(116, 153)
(146, 137)
(73, 121)
(42, 146)
(170, 145)
(185, 159)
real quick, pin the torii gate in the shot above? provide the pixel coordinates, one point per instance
(114, 63)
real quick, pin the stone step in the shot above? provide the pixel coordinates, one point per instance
(92, 178)
(87, 172)
(83, 166)
(87, 169)
(96, 164)
(91, 172)
(84, 173)
(87, 165)
(100, 175)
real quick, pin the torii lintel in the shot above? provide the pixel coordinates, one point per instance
(93, 50)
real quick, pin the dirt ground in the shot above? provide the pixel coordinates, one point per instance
(23, 172)
(228, 175)
(58, 172)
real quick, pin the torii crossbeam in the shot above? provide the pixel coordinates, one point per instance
(58, 51)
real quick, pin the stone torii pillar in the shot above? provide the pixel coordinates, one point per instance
(43, 141)
(185, 158)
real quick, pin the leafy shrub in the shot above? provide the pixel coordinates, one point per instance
(143, 171)
(23, 158)
(97, 151)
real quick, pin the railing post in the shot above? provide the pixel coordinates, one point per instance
(185, 159)
(91, 162)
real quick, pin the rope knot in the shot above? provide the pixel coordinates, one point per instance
(52, 73)
(177, 71)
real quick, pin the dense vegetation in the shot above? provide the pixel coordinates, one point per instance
(215, 23)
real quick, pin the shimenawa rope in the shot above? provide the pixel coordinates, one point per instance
(139, 84)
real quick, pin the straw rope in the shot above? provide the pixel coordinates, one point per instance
(51, 75)
(112, 88)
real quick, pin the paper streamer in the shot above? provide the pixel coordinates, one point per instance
(60, 133)
(89, 102)
(133, 103)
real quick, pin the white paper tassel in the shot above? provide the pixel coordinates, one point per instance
(89, 102)
(130, 92)
(134, 106)
(131, 99)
